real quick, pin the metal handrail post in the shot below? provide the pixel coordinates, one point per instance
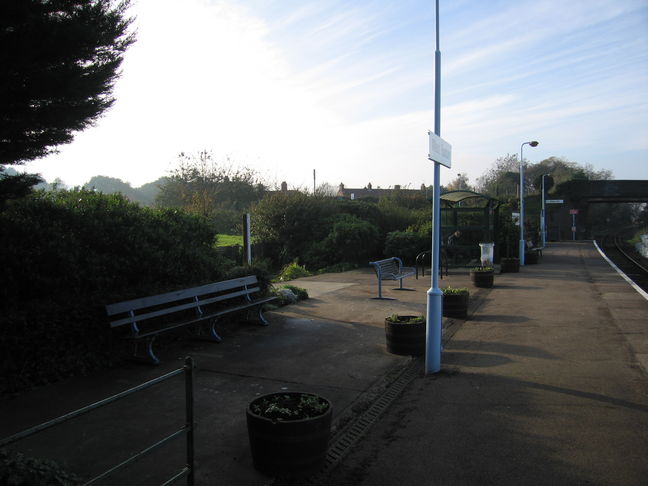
(189, 404)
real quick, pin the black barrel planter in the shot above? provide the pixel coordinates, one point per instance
(510, 265)
(455, 304)
(287, 446)
(404, 337)
(482, 278)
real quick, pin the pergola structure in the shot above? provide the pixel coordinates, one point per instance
(475, 216)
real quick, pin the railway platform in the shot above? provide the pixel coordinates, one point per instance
(545, 382)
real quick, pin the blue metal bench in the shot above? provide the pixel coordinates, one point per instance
(391, 269)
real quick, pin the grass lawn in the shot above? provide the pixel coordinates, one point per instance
(229, 240)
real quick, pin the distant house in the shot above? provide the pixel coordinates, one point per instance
(370, 193)
(284, 190)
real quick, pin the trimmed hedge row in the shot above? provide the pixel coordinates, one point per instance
(65, 255)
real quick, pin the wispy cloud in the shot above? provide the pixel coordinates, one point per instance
(347, 88)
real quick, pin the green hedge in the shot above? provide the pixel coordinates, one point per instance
(405, 245)
(68, 253)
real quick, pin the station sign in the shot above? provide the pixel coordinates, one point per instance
(554, 201)
(440, 150)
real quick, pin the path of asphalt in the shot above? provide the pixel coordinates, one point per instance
(545, 383)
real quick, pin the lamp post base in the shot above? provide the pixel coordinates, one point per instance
(434, 320)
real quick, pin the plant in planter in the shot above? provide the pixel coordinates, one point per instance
(289, 432)
(510, 265)
(482, 276)
(405, 335)
(455, 301)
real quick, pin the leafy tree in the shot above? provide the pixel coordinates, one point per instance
(109, 185)
(288, 224)
(461, 182)
(59, 61)
(503, 178)
(144, 195)
(202, 186)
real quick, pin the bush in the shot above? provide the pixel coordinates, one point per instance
(288, 224)
(68, 253)
(20, 470)
(291, 272)
(259, 269)
(351, 240)
(302, 294)
(405, 245)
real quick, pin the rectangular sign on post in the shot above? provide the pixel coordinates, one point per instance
(573, 211)
(440, 150)
(554, 201)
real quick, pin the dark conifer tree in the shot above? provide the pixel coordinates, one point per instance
(59, 60)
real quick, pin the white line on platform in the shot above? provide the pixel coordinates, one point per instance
(634, 285)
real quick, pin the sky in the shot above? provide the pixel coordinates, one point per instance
(285, 87)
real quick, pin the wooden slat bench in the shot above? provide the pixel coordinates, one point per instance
(197, 307)
(391, 269)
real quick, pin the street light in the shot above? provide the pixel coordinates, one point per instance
(543, 229)
(522, 242)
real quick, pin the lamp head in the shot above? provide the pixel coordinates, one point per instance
(533, 144)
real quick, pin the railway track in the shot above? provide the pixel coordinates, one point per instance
(628, 261)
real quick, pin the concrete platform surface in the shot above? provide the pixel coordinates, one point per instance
(544, 383)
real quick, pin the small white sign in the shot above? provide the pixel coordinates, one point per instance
(515, 217)
(554, 201)
(440, 150)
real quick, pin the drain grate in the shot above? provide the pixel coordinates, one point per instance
(342, 444)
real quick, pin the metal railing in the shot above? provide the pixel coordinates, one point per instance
(420, 262)
(188, 429)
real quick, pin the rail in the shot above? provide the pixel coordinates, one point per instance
(634, 271)
(188, 429)
(420, 262)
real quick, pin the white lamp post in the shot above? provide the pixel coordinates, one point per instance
(522, 242)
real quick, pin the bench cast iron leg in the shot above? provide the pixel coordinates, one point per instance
(380, 297)
(210, 334)
(262, 319)
(148, 356)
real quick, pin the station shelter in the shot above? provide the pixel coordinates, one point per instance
(467, 219)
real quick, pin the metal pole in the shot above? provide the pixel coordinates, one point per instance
(190, 422)
(434, 294)
(247, 240)
(522, 243)
(542, 214)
